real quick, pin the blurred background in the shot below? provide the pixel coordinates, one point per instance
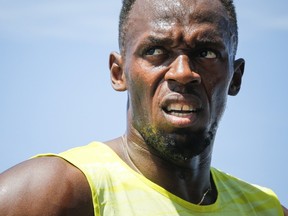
(55, 91)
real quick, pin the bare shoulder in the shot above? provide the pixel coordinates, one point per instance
(44, 186)
(285, 211)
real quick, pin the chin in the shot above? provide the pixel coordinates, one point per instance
(179, 146)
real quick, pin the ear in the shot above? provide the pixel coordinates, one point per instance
(236, 81)
(116, 72)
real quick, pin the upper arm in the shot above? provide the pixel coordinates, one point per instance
(44, 186)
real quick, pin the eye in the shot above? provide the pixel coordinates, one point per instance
(209, 54)
(154, 51)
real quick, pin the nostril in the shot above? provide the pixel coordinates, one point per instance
(183, 77)
(187, 77)
(196, 78)
(182, 88)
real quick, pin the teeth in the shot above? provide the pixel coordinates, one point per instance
(180, 114)
(180, 107)
(187, 108)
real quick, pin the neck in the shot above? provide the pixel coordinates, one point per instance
(189, 179)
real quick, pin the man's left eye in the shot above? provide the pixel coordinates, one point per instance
(208, 54)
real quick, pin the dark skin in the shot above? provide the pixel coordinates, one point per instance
(175, 64)
(44, 186)
(166, 67)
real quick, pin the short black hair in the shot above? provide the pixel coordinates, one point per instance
(125, 10)
(128, 4)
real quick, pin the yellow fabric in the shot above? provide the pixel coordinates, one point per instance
(117, 190)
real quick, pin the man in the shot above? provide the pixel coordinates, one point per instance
(177, 63)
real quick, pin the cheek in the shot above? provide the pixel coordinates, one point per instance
(143, 83)
(218, 100)
(216, 79)
(139, 100)
(136, 96)
(217, 91)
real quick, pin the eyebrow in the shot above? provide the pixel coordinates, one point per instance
(159, 40)
(208, 38)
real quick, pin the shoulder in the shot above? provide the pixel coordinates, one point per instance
(285, 211)
(239, 191)
(44, 186)
(232, 183)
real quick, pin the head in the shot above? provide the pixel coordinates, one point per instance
(128, 4)
(178, 64)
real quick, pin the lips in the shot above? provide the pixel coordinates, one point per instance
(181, 110)
(176, 103)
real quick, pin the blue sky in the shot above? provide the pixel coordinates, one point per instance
(55, 91)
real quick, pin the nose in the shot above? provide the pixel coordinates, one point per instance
(181, 71)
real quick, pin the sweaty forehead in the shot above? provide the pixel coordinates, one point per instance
(183, 11)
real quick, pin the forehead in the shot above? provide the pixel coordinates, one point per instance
(177, 8)
(163, 15)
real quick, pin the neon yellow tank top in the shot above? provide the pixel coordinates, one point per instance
(117, 190)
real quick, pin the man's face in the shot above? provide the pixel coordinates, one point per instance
(178, 65)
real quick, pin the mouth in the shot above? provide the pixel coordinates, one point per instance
(180, 110)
